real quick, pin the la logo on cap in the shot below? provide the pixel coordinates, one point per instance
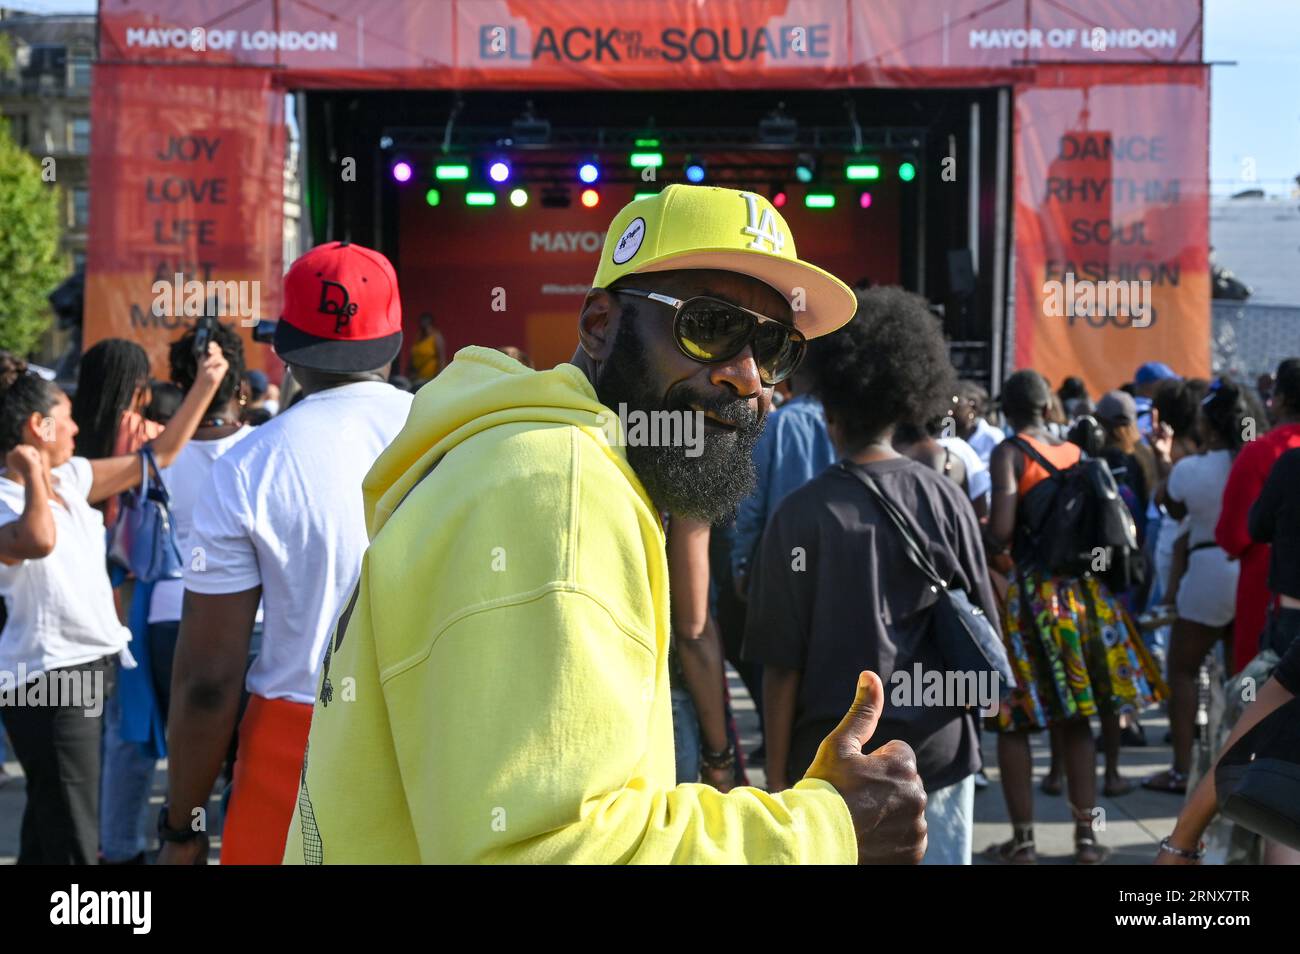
(762, 227)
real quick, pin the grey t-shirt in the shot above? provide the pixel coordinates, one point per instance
(833, 593)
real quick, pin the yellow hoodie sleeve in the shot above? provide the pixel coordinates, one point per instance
(535, 732)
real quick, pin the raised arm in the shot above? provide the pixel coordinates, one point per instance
(32, 535)
(113, 475)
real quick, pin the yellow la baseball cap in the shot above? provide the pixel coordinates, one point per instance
(688, 226)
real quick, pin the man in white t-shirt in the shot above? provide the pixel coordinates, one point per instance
(281, 522)
(972, 406)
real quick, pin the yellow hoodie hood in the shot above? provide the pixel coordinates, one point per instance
(482, 388)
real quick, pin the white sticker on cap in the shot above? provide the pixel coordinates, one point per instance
(629, 243)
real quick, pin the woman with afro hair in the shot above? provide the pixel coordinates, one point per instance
(832, 590)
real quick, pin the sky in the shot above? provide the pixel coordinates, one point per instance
(1254, 106)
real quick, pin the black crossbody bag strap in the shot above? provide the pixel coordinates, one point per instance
(915, 554)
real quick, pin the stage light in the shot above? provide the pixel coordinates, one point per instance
(862, 170)
(639, 160)
(647, 143)
(694, 171)
(779, 200)
(499, 171)
(819, 200)
(864, 200)
(588, 172)
(907, 172)
(451, 170)
(644, 195)
(402, 171)
(433, 197)
(480, 198)
(519, 198)
(805, 168)
(590, 198)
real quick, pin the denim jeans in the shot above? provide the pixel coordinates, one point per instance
(686, 736)
(950, 818)
(124, 793)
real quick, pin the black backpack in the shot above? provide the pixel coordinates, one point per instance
(1075, 522)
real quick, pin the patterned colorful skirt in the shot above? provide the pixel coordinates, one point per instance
(1075, 651)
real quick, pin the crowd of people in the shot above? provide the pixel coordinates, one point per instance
(442, 616)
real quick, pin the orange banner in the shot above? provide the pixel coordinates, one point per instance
(188, 167)
(669, 44)
(1110, 157)
(1111, 223)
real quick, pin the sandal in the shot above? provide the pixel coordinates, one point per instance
(1019, 850)
(1087, 851)
(1175, 783)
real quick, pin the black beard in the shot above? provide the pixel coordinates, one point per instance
(707, 487)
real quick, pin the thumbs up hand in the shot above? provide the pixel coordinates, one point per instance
(882, 790)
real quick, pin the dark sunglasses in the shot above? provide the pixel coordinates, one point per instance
(711, 331)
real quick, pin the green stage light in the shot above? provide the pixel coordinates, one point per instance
(644, 195)
(819, 200)
(451, 170)
(862, 170)
(639, 160)
(480, 198)
(647, 143)
(433, 197)
(907, 172)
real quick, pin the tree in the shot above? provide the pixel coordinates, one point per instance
(31, 264)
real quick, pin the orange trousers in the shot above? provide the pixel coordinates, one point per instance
(268, 768)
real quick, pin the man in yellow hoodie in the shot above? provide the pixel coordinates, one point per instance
(497, 686)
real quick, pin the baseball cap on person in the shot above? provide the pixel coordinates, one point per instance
(257, 382)
(688, 226)
(1154, 371)
(1116, 407)
(342, 311)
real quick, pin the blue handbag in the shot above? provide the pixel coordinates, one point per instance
(144, 538)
